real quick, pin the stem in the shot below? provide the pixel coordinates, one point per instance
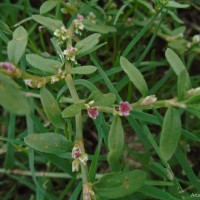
(78, 119)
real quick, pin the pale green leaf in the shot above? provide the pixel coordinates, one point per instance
(134, 75)
(51, 108)
(11, 98)
(17, 46)
(170, 134)
(48, 142)
(43, 64)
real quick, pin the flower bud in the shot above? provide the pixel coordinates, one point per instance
(92, 112)
(149, 100)
(75, 165)
(7, 66)
(78, 24)
(124, 108)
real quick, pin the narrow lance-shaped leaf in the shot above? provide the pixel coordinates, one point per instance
(87, 69)
(170, 133)
(17, 46)
(48, 6)
(101, 99)
(87, 43)
(11, 98)
(44, 64)
(115, 144)
(51, 108)
(48, 142)
(134, 75)
(118, 185)
(72, 110)
(180, 70)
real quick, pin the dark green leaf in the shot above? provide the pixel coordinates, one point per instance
(72, 110)
(11, 97)
(48, 142)
(87, 69)
(48, 6)
(115, 144)
(17, 46)
(118, 185)
(44, 64)
(134, 75)
(170, 134)
(51, 108)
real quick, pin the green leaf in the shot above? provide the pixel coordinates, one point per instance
(87, 69)
(11, 97)
(48, 142)
(5, 28)
(118, 185)
(174, 61)
(48, 6)
(43, 64)
(101, 99)
(51, 108)
(115, 144)
(183, 84)
(99, 28)
(72, 110)
(173, 4)
(48, 22)
(87, 43)
(134, 75)
(170, 134)
(180, 70)
(16, 47)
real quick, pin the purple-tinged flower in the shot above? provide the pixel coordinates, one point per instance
(76, 152)
(7, 66)
(80, 17)
(93, 112)
(124, 108)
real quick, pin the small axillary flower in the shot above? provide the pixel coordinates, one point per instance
(88, 193)
(149, 100)
(92, 112)
(124, 108)
(70, 53)
(7, 66)
(62, 34)
(78, 24)
(79, 157)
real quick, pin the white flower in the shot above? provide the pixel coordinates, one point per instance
(75, 165)
(54, 79)
(62, 34)
(70, 53)
(83, 158)
(78, 24)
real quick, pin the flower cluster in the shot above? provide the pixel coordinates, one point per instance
(35, 83)
(62, 34)
(70, 53)
(79, 157)
(91, 17)
(78, 24)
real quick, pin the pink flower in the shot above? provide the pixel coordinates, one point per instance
(7, 66)
(93, 112)
(76, 152)
(125, 108)
(80, 17)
